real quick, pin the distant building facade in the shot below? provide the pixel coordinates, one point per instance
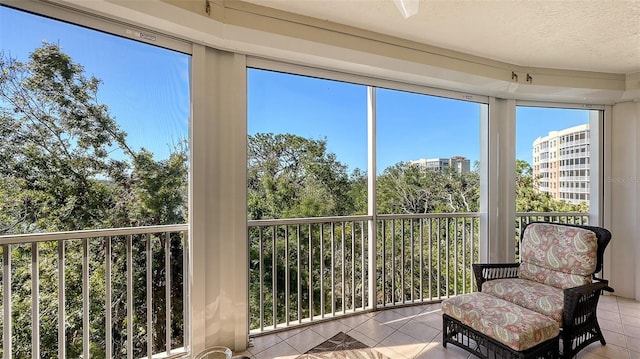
(561, 163)
(459, 164)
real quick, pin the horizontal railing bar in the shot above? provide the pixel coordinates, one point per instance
(551, 214)
(427, 215)
(91, 233)
(293, 221)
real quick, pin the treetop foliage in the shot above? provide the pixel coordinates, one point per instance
(58, 172)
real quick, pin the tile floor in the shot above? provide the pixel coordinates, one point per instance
(416, 332)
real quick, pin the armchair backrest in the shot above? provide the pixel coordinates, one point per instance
(562, 255)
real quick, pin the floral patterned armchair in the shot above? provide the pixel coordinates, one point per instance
(556, 277)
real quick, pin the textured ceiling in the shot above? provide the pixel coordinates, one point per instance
(598, 35)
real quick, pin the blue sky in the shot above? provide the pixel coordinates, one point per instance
(145, 87)
(409, 126)
(147, 91)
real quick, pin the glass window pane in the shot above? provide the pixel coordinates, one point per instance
(92, 123)
(307, 146)
(428, 151)
(552, 156)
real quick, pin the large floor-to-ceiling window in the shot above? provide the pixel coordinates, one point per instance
(558, 161)
(95, 132)
(324, 216)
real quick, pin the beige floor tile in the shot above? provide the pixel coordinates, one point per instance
(403, 344)
(375, 330)
(265, 342)
(305, 340)
(329, 329)
(610, 325)
(634, 354)
(614, 338)
(289, 333)
(433, 320)
(355, 320)
(392, 318)
(280, 351)
(420, 331)
(362, 338)
(390, 353)
(608, 351)
(632, 330)
(437, 351)
(410, 311)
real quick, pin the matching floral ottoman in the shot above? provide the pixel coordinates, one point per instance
(490, 327)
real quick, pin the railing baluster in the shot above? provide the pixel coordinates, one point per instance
(393, 262)
(149, 260)
(402, 262)
(299, 274)
(311, 314)
(464, 255)
(421, 272)
(261, 276)
(411, 260)
(322, 309)
(186, 290)
(6, 306)
(353, 266)
(167, 290)
(383, 263)
(287, 284)
(129, 249)
(85, 298)
(108, 304)
(430, 258)
(62, 347)
(363, 268)
(447, 256)
(343, 267)
(439, 256)
(35, 300)
(455, 256)
(274, 277)
(333, 269)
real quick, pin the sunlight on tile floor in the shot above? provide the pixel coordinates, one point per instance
(416, 332)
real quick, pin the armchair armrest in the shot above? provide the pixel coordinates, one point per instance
(579, 318)
(580, 304)
(490, 271)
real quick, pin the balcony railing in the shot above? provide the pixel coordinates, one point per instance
(97, 293)
(120, 292)
(305, 270)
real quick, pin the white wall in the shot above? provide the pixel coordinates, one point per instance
(624, 181)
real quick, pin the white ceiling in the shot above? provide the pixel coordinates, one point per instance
(596, 35)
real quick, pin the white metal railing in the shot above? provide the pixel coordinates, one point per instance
(308, 269)
(84, 281)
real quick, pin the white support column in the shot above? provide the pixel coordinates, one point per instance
(497, 230)
(623, 140)
(219, 249)
(372, 209)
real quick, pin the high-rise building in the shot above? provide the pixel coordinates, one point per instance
(561, 164)
(458, 163)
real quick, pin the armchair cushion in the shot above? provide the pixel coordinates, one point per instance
(557, 255)
(538, 297)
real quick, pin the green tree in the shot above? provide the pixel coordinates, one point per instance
(60, 138)
(529, 199)
(57, 174)
(406, 189)
(290, 176)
